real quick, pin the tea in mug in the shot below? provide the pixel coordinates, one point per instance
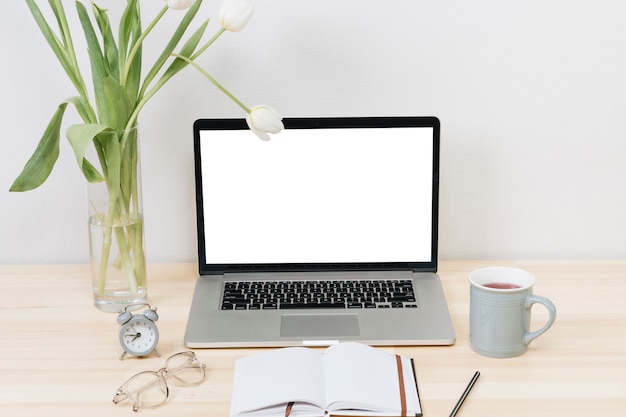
(502, 285)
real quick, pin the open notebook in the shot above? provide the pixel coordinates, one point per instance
(326, 233)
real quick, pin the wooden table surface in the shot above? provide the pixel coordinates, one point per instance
(59, 354)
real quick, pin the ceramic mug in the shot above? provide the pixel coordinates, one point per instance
(501, 299)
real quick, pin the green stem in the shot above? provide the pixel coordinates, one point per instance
(214, 81)
(135, 229)
(106, 237)
(139, 42)
(127, 262)
(104, 260)
(123, 222)
(208, 44)
(132, 120)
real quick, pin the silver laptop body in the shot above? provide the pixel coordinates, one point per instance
(327, 203)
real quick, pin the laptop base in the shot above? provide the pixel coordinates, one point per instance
(429, 324)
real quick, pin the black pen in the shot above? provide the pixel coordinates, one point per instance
(467, 390)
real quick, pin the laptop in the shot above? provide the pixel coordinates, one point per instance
(325, 234)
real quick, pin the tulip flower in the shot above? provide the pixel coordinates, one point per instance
(263, 120)
(235, 14)
(121, 92)
(179, 4)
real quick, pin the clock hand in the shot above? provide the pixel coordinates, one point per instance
(133, 334)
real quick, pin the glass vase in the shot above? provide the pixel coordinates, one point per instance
(116, 233)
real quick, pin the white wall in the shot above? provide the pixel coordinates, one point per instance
(531, 95)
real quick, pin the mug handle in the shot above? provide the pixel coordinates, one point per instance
(530, 300)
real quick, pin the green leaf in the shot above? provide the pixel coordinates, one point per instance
(186, 51)
(129, 33)
(98, 71)
(64, 50)
(90, 172)
(80, 136)
(40, 164)
(116, 106)
(133, 80)
(82, 107)
(113, 151)
(128, 20)
(110, 47)
(59, 14)
(55, 43)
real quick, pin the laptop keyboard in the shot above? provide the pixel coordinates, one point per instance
(275, 295)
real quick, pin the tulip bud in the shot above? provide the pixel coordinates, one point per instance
(235, 14)
(179, 4)
(263, 120)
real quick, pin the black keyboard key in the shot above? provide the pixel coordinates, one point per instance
(300, 306)
(293, 306)
(234, 297)
(400, 298)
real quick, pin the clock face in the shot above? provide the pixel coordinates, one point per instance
(139, 336)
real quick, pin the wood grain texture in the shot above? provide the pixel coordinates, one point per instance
(59, 355)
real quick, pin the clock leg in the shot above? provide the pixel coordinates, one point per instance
(123, 356)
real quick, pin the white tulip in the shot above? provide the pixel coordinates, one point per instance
(179, 4)
(235, 14)
(263, 120)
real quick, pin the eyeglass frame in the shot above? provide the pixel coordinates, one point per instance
(122, 394)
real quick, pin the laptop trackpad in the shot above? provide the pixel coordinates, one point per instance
(319, 325)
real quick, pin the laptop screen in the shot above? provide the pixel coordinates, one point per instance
(325, 194)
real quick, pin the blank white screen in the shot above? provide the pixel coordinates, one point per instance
(320, 195)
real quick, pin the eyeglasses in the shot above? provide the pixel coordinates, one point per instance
(149, 389)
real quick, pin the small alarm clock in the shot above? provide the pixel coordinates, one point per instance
(138, 333)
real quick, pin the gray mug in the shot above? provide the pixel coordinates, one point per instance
(501, 299)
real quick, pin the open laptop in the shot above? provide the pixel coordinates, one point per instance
(327, 233)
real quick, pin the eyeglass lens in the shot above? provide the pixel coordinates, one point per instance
(185, 368)
(146, 390)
